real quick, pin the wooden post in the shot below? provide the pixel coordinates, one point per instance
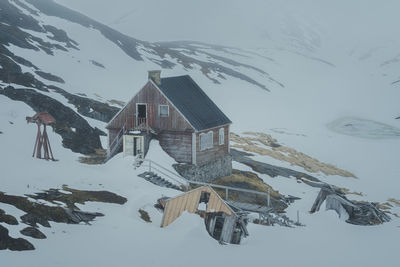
(269, 197)
(298, 217)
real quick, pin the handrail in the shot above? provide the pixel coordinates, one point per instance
(166, 175)
(227, 188)
(230, 188)
(165, 169)
(116, 139)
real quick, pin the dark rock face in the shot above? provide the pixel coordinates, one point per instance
(160, 50)
(33, 232)
(37, 213)
(78, 196)
(34, 219)
(49, 76)
(268, 169)
(84, 139)
(89, 107)
(8, 219)
(16, 244)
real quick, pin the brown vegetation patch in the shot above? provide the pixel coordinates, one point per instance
(144, 216)
(265, 144)
(251, 181)
(96, 158)
(78, 196)
(395, 201)
(347, 191)
(117, 102)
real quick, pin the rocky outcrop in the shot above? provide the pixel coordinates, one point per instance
(38, 213)
(165, 54)
(8, 219)
(265, 168)
(33, 232)
(16, 244)
(88, 107)
(75, 131)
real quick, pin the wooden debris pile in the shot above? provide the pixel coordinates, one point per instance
(358, 212)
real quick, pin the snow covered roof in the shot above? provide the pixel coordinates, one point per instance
(192, 102)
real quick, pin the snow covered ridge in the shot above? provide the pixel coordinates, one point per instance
(32, 32)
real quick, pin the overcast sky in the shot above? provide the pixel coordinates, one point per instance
(343, 23)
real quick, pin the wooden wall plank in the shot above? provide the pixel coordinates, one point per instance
(189, 202)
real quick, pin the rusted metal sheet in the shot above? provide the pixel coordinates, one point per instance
(189, 202)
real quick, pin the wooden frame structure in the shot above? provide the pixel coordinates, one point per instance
(190, 201)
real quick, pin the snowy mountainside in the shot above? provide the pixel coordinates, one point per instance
(335, 105)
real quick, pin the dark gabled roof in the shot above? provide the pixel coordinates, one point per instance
(192, 102)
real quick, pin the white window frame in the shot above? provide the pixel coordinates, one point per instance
(205, 144)
(159, 111)
(221, 135)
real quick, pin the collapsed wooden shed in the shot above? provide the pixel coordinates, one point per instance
(222, 222)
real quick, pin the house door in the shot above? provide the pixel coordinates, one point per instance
(141, 114)
(141, 111)
(133, 145)
(137, 146)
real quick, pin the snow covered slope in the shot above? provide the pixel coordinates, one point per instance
(291, 81)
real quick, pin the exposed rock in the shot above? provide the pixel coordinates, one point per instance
(84, 140)
(78, 196)
(270, 147)
(8, 219)
(269, 169)
(33, 232)
(49, 76)
(34, 220)
(97, 64)
(185, 53)
(40, 213)
(89, 107)
(16, 244)
(144, 216)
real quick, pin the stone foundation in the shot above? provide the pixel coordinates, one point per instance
(207, 172)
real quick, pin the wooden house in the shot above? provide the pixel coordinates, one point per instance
(177, 112)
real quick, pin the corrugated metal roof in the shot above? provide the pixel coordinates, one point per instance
(192, 102)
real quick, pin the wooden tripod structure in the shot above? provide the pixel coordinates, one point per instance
(42, 139)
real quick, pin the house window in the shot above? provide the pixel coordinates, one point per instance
(163, 110)
(221, 134)
(206, 140)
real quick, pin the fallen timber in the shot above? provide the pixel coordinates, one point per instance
(357, 212)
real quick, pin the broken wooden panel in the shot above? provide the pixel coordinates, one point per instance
(190, 201)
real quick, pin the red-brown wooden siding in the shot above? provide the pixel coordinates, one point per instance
(177, 144)
(217, 150)
(153, 98)
(174, 132)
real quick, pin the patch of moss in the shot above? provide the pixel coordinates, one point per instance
(144, 216)
(251, 181)
(96, 158)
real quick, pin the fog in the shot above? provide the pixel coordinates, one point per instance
(326, 24)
